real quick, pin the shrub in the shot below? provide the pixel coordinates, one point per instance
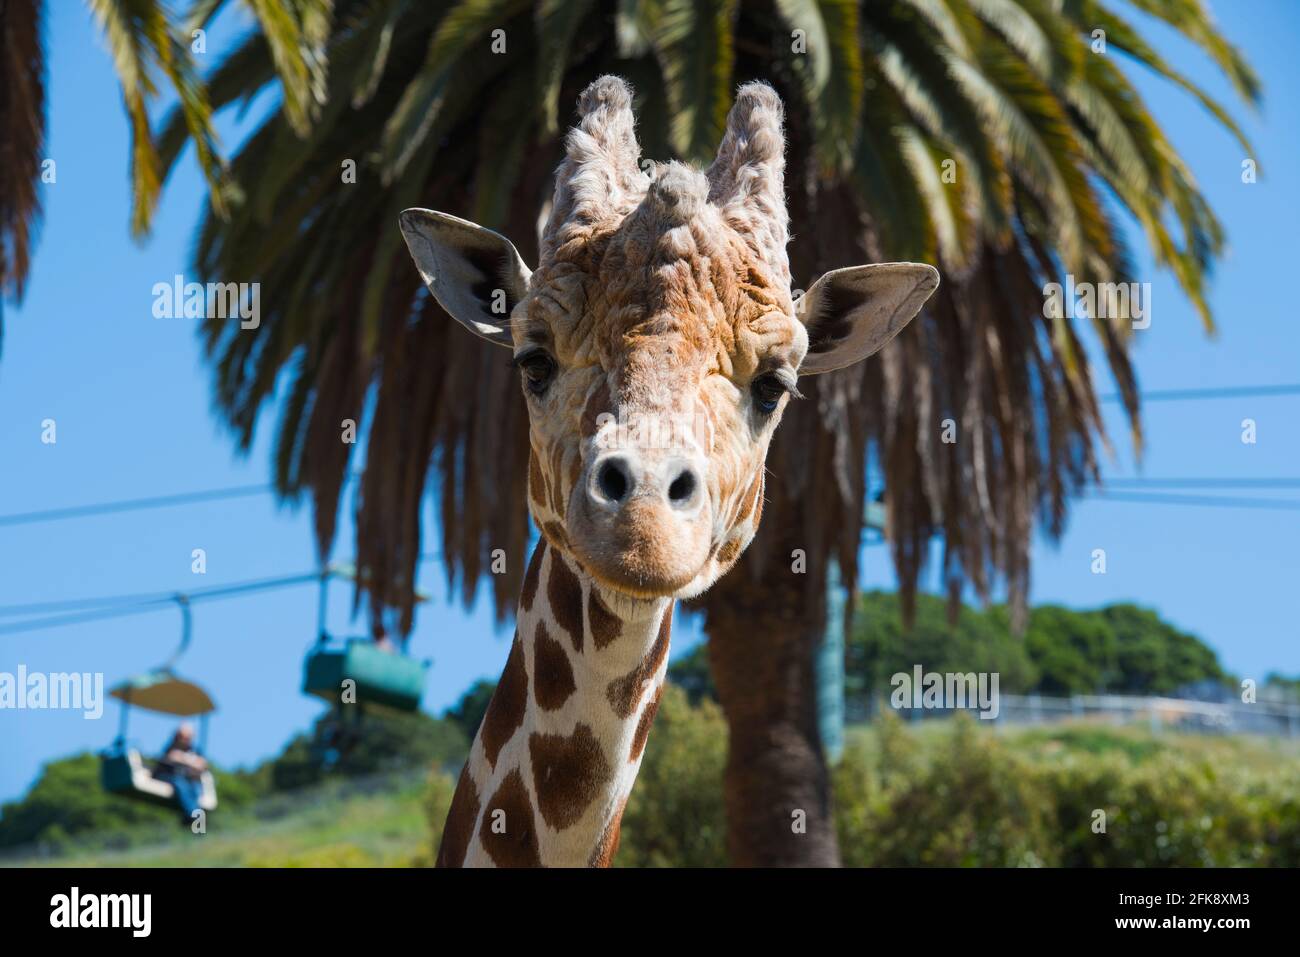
(66, 800)
(675, 815)
(970, 802)
(959, 795)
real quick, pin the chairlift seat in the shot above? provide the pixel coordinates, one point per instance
(383, 678)
(123, 771)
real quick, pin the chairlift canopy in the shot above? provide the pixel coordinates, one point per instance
(162, 690)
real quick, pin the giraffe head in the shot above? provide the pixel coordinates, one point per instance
(658, 341)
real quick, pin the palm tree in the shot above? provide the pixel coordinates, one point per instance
(459, 106)
(146, 42)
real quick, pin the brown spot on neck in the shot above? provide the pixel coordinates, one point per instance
(607, 846)
(642, 734)
(460, 822)
(532, 576)
(605, 626)
(567, 774)
(552, 674)
(625, 693)
(505, 713)
(565, 595)
(510, 838)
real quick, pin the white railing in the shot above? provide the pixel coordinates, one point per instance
(1277, 718)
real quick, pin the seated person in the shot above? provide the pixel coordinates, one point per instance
(181, 766)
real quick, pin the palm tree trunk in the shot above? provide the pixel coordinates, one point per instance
(762, 640)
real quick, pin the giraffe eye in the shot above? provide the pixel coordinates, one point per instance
(538, 370)
(767, 391)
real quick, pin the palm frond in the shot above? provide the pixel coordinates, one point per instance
(1122, 36)
(468, 23)
(22, 141)
(295, 34)
(1193, 20)
(557, 21)
(143, 43)
(693, 42)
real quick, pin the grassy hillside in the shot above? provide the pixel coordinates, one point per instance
(378, 822)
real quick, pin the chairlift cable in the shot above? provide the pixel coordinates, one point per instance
(1217, 392)
(1212, 501)
(124, 605)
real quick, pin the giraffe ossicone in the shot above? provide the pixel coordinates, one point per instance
(664, 302)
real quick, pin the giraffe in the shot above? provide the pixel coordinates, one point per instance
(657, 342)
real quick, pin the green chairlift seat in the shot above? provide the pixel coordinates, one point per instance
(383, 678)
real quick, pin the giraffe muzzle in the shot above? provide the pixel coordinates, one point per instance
(642, 521)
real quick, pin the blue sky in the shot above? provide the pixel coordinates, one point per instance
(130, 396)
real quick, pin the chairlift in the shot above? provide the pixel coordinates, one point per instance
(123, 770)
(384, 678)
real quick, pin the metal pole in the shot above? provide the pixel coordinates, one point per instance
(829, 668)
(121, 723)
(187, 627)
(321, 602)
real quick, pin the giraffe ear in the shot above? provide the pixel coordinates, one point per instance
(852, 313)
(475, 274)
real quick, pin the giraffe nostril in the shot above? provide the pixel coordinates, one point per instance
(682, 488)
(612, 480)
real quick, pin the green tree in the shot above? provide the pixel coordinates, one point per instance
(1075, 652)
(1154, 656)
(379, 742)
(66, 799)
(1283, 686)
(468, 712)
(880, 645)
(985, 136)
(690, 672)
(1117, 648)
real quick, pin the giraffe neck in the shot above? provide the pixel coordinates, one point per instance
(557, 753)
